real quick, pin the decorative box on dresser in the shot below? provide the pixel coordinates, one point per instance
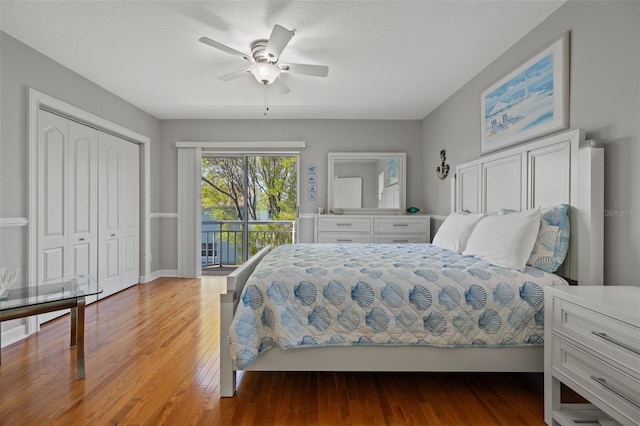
(379, 229)
(592, 345)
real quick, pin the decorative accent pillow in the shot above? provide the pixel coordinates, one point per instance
(455, 231)
(552, 242)
(506, 240)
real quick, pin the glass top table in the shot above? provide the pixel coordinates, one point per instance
(24, 301)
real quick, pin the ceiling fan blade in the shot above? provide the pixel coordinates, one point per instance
(278, 40)
(305, 69)
(234, 75)
(280, 87)
(227, 49)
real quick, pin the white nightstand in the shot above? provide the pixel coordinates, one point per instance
(592, 344)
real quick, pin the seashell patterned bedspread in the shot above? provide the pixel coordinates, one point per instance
(309, 295)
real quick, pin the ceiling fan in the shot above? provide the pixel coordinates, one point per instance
(264, 60)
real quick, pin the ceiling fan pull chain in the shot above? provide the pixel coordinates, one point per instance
(266, 99)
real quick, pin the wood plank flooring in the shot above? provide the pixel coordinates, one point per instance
(152, 357)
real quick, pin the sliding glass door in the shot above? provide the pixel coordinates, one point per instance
(249, 201)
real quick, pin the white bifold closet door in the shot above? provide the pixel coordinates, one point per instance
(119, 220)
(68, 203)
(130, 213)
(88, 206)
(83, 201)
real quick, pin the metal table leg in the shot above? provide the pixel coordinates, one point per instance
(79, 325)
(74, 321)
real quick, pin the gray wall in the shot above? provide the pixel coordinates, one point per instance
(605, 97)
(604, 101)
(22, 68)
(321, 137)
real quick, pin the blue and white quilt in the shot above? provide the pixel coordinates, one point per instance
(309, 295)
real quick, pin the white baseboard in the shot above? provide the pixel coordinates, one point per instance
(14, 334)
(162, 273)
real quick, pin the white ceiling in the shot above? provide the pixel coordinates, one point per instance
(387, 59)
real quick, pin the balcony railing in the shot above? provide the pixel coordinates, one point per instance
(222, 239)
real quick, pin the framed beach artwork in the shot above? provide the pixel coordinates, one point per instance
(531, 101)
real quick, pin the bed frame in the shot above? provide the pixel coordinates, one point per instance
(561, 168)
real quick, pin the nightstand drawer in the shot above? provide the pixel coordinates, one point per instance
(610, 389)
(400, 225)
(614, 339)
(343, 237)
(347, 224)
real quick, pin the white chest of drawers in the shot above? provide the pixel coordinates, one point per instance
(592, 344)
(371, 229)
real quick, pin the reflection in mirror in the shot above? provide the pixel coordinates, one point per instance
(366, 181)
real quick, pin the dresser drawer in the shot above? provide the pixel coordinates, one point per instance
(616, 340)
(347, 224)
(343, 237)
(400, 225)
(609, 388)
(395, 239)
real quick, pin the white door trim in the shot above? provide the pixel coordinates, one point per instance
(39, 100)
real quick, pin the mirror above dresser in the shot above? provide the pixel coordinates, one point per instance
(366, 182)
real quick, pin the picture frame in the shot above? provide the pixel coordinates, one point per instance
(311, 178)
(311, 169)
(312, 196)
(530, 101)
(312, 187)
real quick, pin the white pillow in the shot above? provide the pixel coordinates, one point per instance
(455, 231)
(505, 241)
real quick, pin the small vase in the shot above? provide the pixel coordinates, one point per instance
(7, 279)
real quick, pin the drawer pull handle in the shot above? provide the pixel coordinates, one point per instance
(606, 385)
(400, 224)
(343, 241)
(343, 224)
(615, 342)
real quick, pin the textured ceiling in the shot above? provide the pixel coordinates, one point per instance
(387, 59)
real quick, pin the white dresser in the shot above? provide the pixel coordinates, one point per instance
(592, 344)
(380, 229)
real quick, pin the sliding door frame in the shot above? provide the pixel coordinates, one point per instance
(245, 187)
(192, 212)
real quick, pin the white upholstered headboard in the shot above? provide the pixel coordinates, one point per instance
(557, 169)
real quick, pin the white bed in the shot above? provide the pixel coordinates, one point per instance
(559, 169)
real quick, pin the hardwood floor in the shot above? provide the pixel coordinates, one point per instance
(152, 358)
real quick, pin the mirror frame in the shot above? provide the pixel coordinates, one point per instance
(332, 157)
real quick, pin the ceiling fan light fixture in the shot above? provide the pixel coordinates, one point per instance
(265, 73)
(265, 54)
